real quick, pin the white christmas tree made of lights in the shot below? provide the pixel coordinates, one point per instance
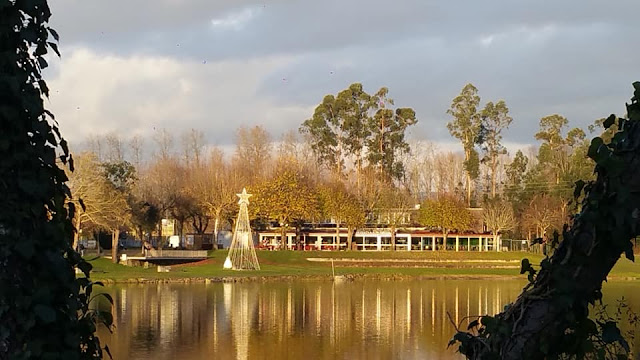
(242, 254)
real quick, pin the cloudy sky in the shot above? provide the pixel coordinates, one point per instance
(136, 66)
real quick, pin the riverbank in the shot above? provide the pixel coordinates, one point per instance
(316, 265)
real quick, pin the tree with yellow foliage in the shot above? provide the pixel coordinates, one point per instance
(445, 213)
(338, 203)
(286, 198)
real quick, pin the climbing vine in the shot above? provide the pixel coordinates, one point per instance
(44, 308)
(550, 319)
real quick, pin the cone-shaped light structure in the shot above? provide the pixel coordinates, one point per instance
(242, 254)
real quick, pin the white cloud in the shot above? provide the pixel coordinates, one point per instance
(93, 93)
(531, 35)
(234, 20)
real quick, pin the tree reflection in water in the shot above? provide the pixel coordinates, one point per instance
(304, 320)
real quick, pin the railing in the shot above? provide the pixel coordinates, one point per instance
(160, 253)
(516, 245)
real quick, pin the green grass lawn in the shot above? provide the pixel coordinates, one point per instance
(295, 263)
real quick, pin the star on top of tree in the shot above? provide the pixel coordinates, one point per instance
(244, 197)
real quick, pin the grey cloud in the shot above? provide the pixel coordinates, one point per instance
(570, 57)
(561, 71)
(285, 27)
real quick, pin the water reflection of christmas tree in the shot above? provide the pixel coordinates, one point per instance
(242, 255)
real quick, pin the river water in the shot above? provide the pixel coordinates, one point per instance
(364, 319)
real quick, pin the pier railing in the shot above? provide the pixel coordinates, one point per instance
(160, 253)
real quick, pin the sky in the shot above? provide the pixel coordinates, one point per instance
(136, 66)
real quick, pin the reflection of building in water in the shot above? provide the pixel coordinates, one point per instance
(320, 320)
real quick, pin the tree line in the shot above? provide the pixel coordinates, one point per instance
(350, 162)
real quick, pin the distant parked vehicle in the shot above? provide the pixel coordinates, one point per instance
(174, 241)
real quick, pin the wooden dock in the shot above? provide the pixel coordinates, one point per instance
(164, 257)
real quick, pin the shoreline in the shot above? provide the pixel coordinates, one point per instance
(340, 278)
(349, 266)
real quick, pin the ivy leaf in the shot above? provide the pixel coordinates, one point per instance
(43, 87)
(106, 318)
(609, 122)
(64, 145)
(525, 266)
(26, 249)
(579, 186)
(489, 322)
(43, 63)
(537, 241)
(530, 277)
(70, 159)
(54, 34)
(610, 332)
(54, 47)
(108, 297)
(45, 313)
(596, 143)
(85, 267)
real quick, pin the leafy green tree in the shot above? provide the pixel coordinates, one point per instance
(354, 106)
(339, 128)
(495, 118)
(325, 132)
(286, 198)
(515, 172)
(562, 158)
(387, 142)
(518, 186)
(446, 213)
(144, 218)
(466, 126)
(44, 308)
(554, 150)
(122, 174)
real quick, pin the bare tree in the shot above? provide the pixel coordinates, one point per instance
(96, 145)
(164, 143)
(87, 186)
(498, 216)
(542, 214)
(421, 170)
(136, 144)
(394, 209)
(162, 183)
(115, 148)
(215, 185)
(253, 151)
(104, 205)
(193, 144)
(449, 174)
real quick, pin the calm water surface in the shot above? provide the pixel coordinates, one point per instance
(305, 320)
